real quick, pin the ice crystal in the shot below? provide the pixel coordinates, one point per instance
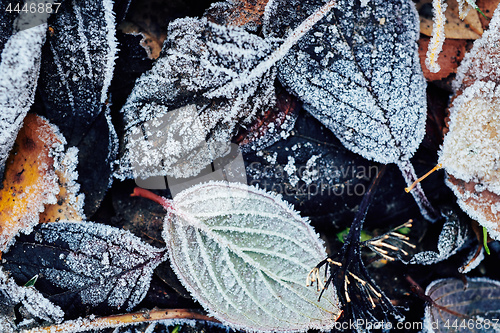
(361, 78)
(19, 69)
(223, 76)
(244, 254)
(451, 239)
(101, 264)
(31, 301)
(78, 65)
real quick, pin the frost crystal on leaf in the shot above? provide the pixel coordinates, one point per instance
(203, 78)
(471, 149)
(99, 263)
(451, 239)
(476, 302)
(361, 78)
(244, 254)
(78, 65)
(19, 68)
(30, 299)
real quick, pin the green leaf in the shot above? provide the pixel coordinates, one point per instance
(244, 254)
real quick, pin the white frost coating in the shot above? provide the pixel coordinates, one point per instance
(67, 164)
(109, 19)
(244, 254)
(108, 265)
(451, 239)
(438, 37)
(365, 83)
(31, 300)
(481, 62)
(472, 262)
(471, 148)
(19, 69)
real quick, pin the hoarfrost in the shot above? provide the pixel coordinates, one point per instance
(102, 264)
(226, 73)
(477, 300)
(481, 62)
(195, 76)
(19, 69)
(78, 65)
(365, 83)
(451, 239)
(244, 254)
(32, 302)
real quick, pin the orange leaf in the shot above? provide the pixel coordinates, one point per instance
(449, 59)
(30, 180)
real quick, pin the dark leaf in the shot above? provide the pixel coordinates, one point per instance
(85, 263)
(77, 68)
(183, 113)
(458, 307)
(451, 239)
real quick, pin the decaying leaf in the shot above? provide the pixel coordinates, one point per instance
(32, 305)
(30, 179)
(459, 307)
(451, 239)
(244, 254)
(77, 68)
(19, 68)
(471, 148)
(449, 59)
(85, 263)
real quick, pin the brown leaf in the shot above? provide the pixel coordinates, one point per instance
(470, 148)
(30, 179)
(449, 59)
(69, 205)
(479, 204)
(455, 28)
(240, 13)
(487, 7)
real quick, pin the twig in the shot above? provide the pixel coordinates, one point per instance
(154, 315)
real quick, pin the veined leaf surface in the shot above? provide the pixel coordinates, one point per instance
(244, 254)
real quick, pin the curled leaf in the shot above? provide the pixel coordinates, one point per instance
(244, 255)
(451, 239)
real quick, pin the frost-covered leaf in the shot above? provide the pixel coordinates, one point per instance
(473, 307)
(32, 305)
(30, 178)
(241, 13)
(451, 239)
(358, 72)
(244, 254)
(471, 148)
(85, 263)
(19, 69)
(77, 67)
(183, 113)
